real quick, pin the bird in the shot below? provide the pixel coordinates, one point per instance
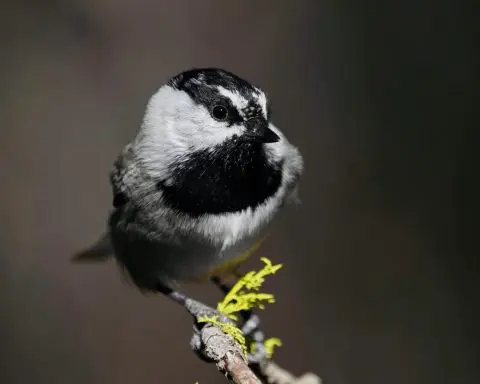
(194, 193)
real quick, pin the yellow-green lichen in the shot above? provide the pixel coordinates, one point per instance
(270, 344)
(242, 297)
(229, 328)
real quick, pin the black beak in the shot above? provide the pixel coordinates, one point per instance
(258, 130)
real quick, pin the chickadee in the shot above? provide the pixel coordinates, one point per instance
(195, 191)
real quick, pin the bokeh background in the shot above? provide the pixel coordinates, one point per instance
(381, 259)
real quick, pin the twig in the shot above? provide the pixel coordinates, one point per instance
(271, 373)
(211, 344)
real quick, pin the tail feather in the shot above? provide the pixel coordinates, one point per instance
(100, 251)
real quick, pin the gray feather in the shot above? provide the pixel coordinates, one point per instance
(100, 251)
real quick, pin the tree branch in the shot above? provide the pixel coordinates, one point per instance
(211, 344)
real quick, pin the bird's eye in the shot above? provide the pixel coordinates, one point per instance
(219, 112)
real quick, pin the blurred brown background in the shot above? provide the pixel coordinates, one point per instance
(381, 265)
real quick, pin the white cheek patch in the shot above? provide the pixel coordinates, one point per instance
(197, 128)
(174, 125)
(209, 131)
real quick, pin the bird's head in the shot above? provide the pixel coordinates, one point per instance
(203, 108)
